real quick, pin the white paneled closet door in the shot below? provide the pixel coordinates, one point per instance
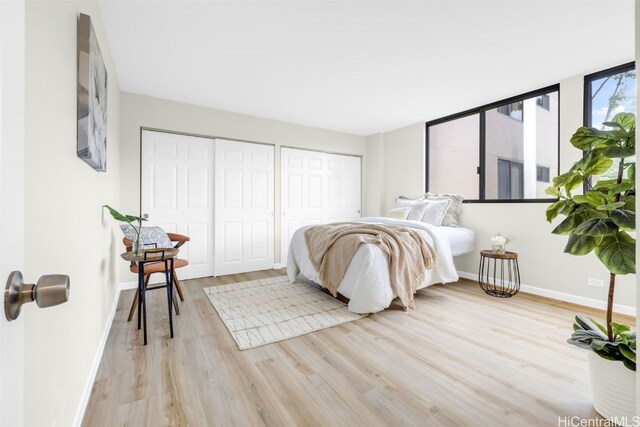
(244, 204)
(316, 188)
(177, 194)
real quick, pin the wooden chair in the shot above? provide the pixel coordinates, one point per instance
(152, 268)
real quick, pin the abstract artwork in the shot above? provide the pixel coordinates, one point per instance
(92, 98)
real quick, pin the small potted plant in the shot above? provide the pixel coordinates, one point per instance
(600, 221)
(129, 219)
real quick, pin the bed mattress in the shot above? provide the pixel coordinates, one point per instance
(366, 282)
(462, 240)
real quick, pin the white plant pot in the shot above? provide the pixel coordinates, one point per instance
(614, 390)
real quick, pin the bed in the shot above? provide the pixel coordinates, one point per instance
(366, 281)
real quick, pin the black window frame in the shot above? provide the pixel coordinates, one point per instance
(481, 112)
(587, 108)
(589, 78)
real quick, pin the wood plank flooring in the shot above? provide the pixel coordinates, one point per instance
(461, 358)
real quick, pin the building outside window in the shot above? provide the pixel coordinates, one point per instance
(494, 152)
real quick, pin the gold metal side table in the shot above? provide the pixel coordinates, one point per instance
(499, 273)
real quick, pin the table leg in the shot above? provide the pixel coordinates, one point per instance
(168, 269)
(144, 305)
(139, 299)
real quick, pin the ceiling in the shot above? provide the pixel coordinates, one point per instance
(360, 67)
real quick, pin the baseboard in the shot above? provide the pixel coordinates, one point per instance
(278, 266)
(125, 286)
(561, 296)
(86, 393)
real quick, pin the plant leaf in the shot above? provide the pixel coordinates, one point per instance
(599, 166)
(552, 191)
(627, 121)
(567, 225)
(581, 245)
(585, 138)
(554, 208)
(605, 184)
(623, 218)
(629, 364)
(599, 326)
(630, 203)
(631, 172)
(618, 152)
(115, 214)
(597, 227)
(617, 253)
(610, 206)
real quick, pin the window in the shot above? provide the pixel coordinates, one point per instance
(454, 145)
(607, 93)
(542, 174)
(543, 101)
(510, 179)
(513, 110)
(495, 152)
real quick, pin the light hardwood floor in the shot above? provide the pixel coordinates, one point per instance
(461, 358)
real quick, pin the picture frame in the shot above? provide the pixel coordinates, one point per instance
(91, 98)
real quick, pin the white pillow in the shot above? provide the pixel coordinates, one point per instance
(436, 211)
(452, 216)
(150, 237)
(399, 213)
(418, 207)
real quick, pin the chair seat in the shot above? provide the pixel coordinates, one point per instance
(158, 267)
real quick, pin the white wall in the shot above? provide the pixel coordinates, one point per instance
(542, 261)
(142, 111)
(11, 203)
(66, 230)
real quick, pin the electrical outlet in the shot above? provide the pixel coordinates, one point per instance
(595, 282)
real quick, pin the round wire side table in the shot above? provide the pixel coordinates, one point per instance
(499, 274)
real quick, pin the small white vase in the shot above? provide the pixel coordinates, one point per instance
(614, 390)
(498, 248)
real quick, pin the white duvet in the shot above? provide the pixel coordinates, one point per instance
(366, 282)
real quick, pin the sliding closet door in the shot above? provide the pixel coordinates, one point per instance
(342, 190)
(316, 188)
(177, 194)
(244, 223)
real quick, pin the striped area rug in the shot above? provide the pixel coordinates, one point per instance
(265, 311)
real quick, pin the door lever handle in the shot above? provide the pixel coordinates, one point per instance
(51, 289)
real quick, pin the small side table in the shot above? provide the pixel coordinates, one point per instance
(165, 255)
(499, 274)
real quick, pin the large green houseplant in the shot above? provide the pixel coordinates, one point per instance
(600, 221)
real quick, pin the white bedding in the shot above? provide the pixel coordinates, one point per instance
(366, 282)
(462, 240)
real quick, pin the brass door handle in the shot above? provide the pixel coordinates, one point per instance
(51, 289)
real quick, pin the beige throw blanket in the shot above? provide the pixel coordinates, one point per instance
(332, 246)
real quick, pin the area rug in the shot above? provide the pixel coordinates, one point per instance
(265, 311)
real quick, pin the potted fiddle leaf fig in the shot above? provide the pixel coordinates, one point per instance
(599, 221)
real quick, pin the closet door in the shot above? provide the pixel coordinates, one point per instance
(342, 188)
(177, 194)
(316, 188)
(302, 183)
(244, 194)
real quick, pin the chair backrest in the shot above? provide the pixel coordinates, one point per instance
(179, 239)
